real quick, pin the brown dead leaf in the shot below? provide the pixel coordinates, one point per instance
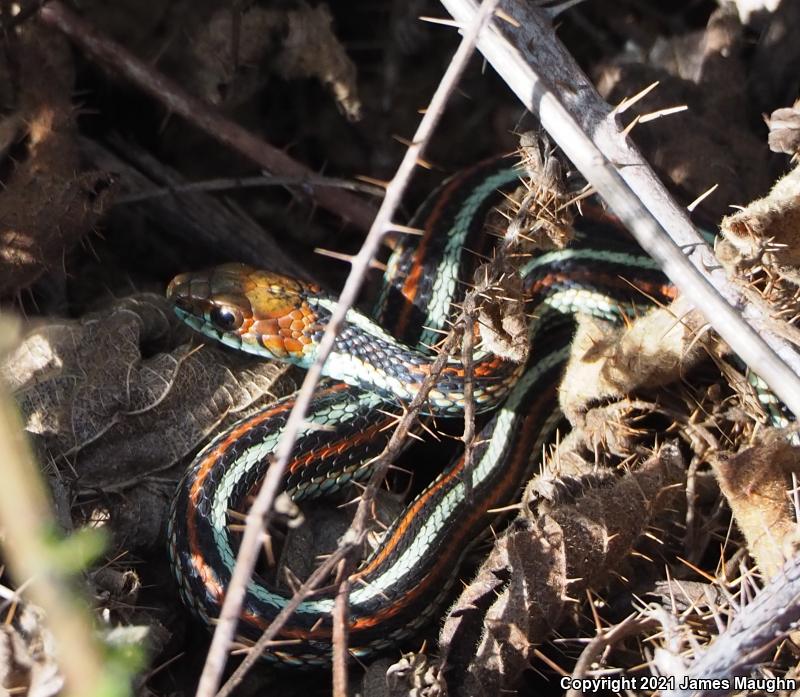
(502, 321)
(712, 143)
(756, 482)
(761, 252)
(769, 226)
(545, 558)
(609, 362)
(104, 399)
(47, 204)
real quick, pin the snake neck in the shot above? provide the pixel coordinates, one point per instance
(366, 356)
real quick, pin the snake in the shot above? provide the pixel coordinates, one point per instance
(378, 362)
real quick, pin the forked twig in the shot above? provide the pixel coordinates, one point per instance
(353, 538)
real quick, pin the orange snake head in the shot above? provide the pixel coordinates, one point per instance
(260, 312)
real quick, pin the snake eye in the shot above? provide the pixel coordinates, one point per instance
(225, 318)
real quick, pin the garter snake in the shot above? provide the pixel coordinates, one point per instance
(398, 588)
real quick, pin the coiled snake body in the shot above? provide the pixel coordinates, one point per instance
(399, 587)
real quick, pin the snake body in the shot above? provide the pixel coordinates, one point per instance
(400, 586)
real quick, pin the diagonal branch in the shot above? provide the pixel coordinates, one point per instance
(523, 50)
(353, 538)
(256, 517)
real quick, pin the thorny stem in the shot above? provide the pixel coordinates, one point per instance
(527, 55)
(315, 579)
(340, 630)
(256, 518)
(758, 626)
(353, 537)
(467, 344)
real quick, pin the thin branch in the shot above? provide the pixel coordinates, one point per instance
(256, 517)
(229, 183)
(467, 344)
(197, 112)
(601, 642)
(758, 626)
(340, 632)
(315, 579)
(353, 537)
(531, 60)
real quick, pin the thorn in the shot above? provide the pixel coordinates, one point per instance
(634, 553)
(477, 254)
(442, 21)
(506, 509)
(410, 144)
(663, 112)
(236, 515)
(500, 14)
(702, 197)
(371, 180)
(341, 256)
(628, 102)
(626, 131)
(433, 433)
(697, 570)
(435, 331)
(397, 227)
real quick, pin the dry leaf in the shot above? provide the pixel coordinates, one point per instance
(770, 225)
(47, 204)
(712, 142)
(609, 362)
(756, 482)
(104, 399)
(537, 564)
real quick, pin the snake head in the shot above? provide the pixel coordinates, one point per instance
(260, 312)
